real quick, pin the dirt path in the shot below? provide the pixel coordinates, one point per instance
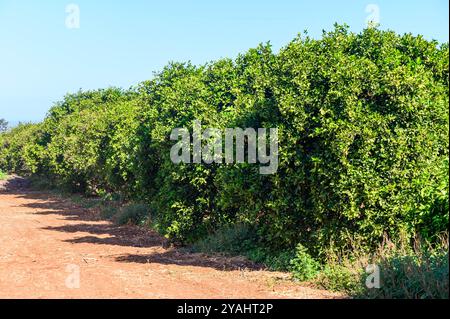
(50, 248)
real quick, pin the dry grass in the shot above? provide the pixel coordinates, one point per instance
(408, 270)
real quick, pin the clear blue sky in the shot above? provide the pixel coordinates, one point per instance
(120, 43)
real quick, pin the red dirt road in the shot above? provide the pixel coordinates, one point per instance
(51, 248)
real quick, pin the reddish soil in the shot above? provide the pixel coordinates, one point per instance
(46, 241)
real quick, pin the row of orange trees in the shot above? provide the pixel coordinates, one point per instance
(363, 142)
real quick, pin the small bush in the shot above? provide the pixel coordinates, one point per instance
(340, 278)
(303, 266)
(132, 214)
(41, 183)
(2, 175)
(241, 239)
(108, 212)
(229, 240)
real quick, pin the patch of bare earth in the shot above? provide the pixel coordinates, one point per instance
(51, 248)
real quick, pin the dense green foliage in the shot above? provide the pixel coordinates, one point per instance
(363, 143)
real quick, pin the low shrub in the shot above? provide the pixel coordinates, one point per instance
(242, 239)
(131, 214)
(108, 212)
(277, 261)
(230, 240)
(336, 277)
(303, 266)
(421, 274)
(39, 182)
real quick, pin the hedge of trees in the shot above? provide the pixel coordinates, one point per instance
(363, 126)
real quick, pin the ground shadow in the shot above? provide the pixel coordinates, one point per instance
(13, 184)
(175, 257)
(116, 235)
